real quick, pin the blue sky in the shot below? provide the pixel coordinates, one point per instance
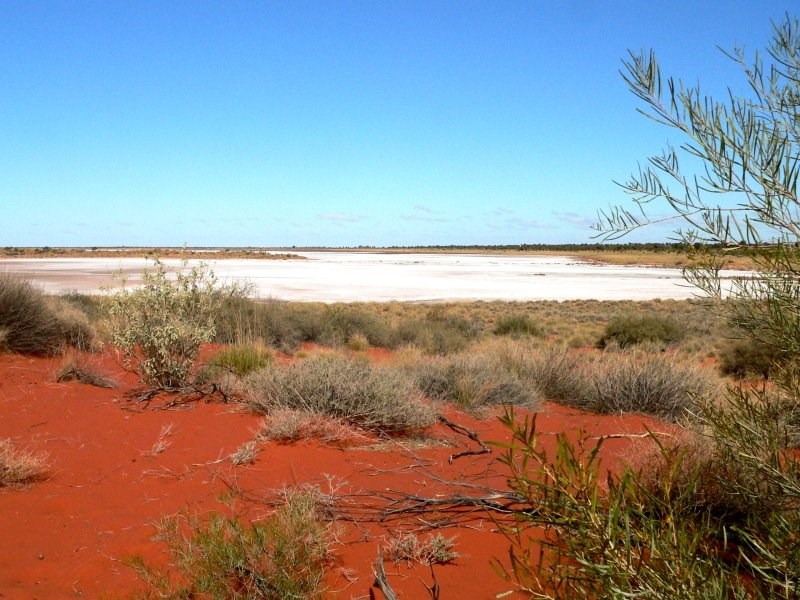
(337, 123)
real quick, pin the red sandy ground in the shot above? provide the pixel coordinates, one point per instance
(68, 536)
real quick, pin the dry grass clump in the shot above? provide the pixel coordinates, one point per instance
(75, 367)
(35, 324)
(409, 547)
(470, 380)
(653, 384)
(517, 325)
(282, 556)
(371, 397)
(18, 467)
(286, 425)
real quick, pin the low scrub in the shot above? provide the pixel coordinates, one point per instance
(744, 360)
(282, 556)
(626, 331)
(18, 467)
(31, 323)
(517, 325)
(371, 397)
(471, 381)
(241, 359)
(653, 384)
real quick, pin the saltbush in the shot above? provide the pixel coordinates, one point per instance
(160, 326)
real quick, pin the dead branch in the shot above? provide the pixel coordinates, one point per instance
(381, 581)
(460, 429)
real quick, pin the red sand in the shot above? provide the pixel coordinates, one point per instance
(68, 536)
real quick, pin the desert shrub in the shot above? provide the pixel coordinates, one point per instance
(280, 557)
(371, 397)
(517, 325)
(439, 332)
(558, 374)
(289, 425)
(18, 467)
(240, 359)
(471, 381)
(339, 323)
(160, 326)
(628, 331)
(751, 358)
(652, 384)
(280, 324)
(35, 324)
(358, 342)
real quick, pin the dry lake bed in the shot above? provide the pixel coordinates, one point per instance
(373, 277)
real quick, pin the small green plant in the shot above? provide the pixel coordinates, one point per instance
(281, 557)
(517, 325)
(371, 397)
(628, 331)
(241, 359)
(160, 326)
(18, 467)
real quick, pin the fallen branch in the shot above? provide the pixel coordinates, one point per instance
(381, 581)
(460, 429)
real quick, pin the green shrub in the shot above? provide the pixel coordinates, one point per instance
(281, 557)
(34, 324)
(160, 326)
(371, 397)
(517, 325)
(627, 331)
(280, 324)
(339, 323)
(438, 333)
(750, 359)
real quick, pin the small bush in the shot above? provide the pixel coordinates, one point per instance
(35, 324)
(628, 331)
(558, 374)
(283, 556)
(18, 467)
(160, 326)
(652, 384)
(517, 325)
(750, 359)
(358, 342)
(471, 381)
(371, 397)
(340, 323)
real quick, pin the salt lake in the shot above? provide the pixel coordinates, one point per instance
(378, 277)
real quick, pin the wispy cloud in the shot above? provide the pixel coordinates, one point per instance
(422, 208)
(342, 217)
(574, 218)
(423, 213)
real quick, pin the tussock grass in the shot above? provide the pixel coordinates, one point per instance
(368, 396)
(517, 325)
(629, 330)
(32, 323)
(283, 556)
(471, 380)
(19, 467)
(75, 367)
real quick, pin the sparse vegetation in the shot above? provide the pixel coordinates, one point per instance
(32, 323)
(278, 558)
(435, 549)
(626, 331)
(75, 367)
(371, 397)
(517, 325)
(19, 467)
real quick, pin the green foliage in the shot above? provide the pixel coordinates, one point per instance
(371, 397)
(630, 330)
(282, 557)
(240, 359)
(160, 326)
(31, 323)
(517, 325)
(751, 358)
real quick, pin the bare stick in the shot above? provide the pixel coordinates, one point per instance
(460, 429)
(381, 582)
